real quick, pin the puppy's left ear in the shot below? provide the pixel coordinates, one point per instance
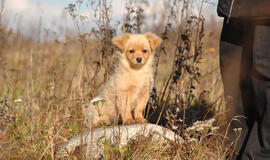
(120, 41)
(153, 39)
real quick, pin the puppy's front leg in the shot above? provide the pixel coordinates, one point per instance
(125, 109)
(141, 104)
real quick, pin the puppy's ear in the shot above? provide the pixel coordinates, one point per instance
(120, 41)
(153, 39)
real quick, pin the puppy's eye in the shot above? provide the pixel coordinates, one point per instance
(144, 50)
(131, 51)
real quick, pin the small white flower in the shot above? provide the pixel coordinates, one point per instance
(97, 99)
(199, 129)
(174, 127)
(17, 100)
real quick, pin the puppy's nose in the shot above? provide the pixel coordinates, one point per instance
(139, 59)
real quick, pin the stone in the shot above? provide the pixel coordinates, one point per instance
(118, 135)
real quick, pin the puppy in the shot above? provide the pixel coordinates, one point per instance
(128, 88)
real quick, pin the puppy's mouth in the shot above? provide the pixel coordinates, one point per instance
(136, 65)
(139, 63)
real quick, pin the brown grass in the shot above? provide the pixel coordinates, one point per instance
(45, 86)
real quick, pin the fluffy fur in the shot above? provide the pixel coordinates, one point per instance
(128, 88)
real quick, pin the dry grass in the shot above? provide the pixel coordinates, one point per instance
(45, 86)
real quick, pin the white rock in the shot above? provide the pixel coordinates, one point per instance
(120, 134)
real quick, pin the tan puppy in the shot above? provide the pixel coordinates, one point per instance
(129, 87)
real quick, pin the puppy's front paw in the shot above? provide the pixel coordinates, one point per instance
(140, 120)
(129, 121)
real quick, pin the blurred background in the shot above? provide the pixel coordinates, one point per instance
(27, 15)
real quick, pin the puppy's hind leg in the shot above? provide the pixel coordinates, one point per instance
(92, 116)
(96, 113)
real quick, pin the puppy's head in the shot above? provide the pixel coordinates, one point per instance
(137, 47)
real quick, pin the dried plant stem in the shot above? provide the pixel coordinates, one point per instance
(30, 96)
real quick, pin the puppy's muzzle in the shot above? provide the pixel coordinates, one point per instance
(139, 59)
